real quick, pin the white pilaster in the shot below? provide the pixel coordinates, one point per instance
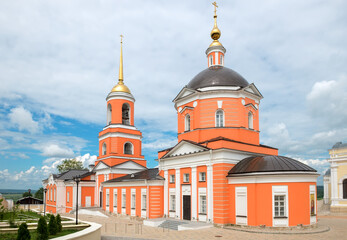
(178, 193)
(194, 194)
(209, 193)
(334, 193)
(166, 187)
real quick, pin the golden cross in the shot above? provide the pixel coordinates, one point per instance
(215, 7)
(121, 38)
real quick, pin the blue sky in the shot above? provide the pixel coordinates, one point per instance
(59, 60)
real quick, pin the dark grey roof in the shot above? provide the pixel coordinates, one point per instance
(69, 175)
(327, 173)
(217, 76)
(148, 174)
(339, 145)
(269, 163)
(29, 200)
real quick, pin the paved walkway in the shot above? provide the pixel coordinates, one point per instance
(126, 228)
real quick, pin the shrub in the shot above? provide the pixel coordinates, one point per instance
(23, 232)
(42, 230)
(59, 226)
(52, 225)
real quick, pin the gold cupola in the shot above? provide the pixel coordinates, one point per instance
(215, 33)
(120, 87)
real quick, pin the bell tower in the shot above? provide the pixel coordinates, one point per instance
(120, 140)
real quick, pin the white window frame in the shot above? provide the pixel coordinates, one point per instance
(68, 196)
(107, 198)
(133, 201)
(104, 149)
(185, 178)
(219, 119)
(281, 199)
(211, 59)
(202, 204)
(280, 221)
(115, 198)
(55, 194)
(132, 148)
(124, 199)
(202, 176)
(172, 178)
(250, 120)
(220, 58)
(144, 201)
(241, 214)
(109, 114)
(172, 202)
(187, 125)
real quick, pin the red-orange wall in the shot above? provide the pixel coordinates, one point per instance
(87, 191)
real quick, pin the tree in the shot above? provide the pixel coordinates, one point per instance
(27, 194)
(23, 232)
(52, 225)
(42, 230)
(69, 164)
(39, 193)
(59, 226)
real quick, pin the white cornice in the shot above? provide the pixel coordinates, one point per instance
(120, 95)
(275, 177)
(119, 134)
(120, 126)
(132, 158)
(133, 183)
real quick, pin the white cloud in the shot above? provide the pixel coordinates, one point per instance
(54, 150)
(23, 119)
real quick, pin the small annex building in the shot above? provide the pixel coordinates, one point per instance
(218, 172)
(335, 179)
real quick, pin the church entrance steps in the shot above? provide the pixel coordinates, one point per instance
(177, 225)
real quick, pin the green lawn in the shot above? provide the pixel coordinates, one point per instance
(13, 236)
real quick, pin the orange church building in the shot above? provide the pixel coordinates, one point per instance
(218, 172)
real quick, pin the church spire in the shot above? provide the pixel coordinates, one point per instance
(120, 87)
(215, 52)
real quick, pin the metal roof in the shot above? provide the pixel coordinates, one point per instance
(269, 163)
(148, 174)
(69, 175)
(217, 76)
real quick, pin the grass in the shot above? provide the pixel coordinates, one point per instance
(13, 236)
(14, 196)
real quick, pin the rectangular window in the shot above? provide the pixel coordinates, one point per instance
(186, 177)
(133, 201)
(202, 176)
(107, 199)
(115, 200)
(203, 204)
(144, 202)
(280, 206)
(55, 195)
(172, 202)
(68, 197)
(172, 178)
(124, 200)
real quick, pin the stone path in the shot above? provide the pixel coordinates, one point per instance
(126, 228)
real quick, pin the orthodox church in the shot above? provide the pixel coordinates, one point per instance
(218, 171)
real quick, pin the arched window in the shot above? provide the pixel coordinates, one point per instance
(250, 120)
(104, 149)
(109, 114)
(344, 187)
(128, 148)
(220, 118)
(126, 114)
(211, 60)
(187, 123)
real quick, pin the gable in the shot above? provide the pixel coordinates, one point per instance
(129, 165)
(253, 90)
(184, 148)
(100, 166)
(183, 93)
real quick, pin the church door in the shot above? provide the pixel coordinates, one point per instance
(186, 207)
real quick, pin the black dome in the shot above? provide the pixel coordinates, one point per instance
(217, 76)
(269, 163)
